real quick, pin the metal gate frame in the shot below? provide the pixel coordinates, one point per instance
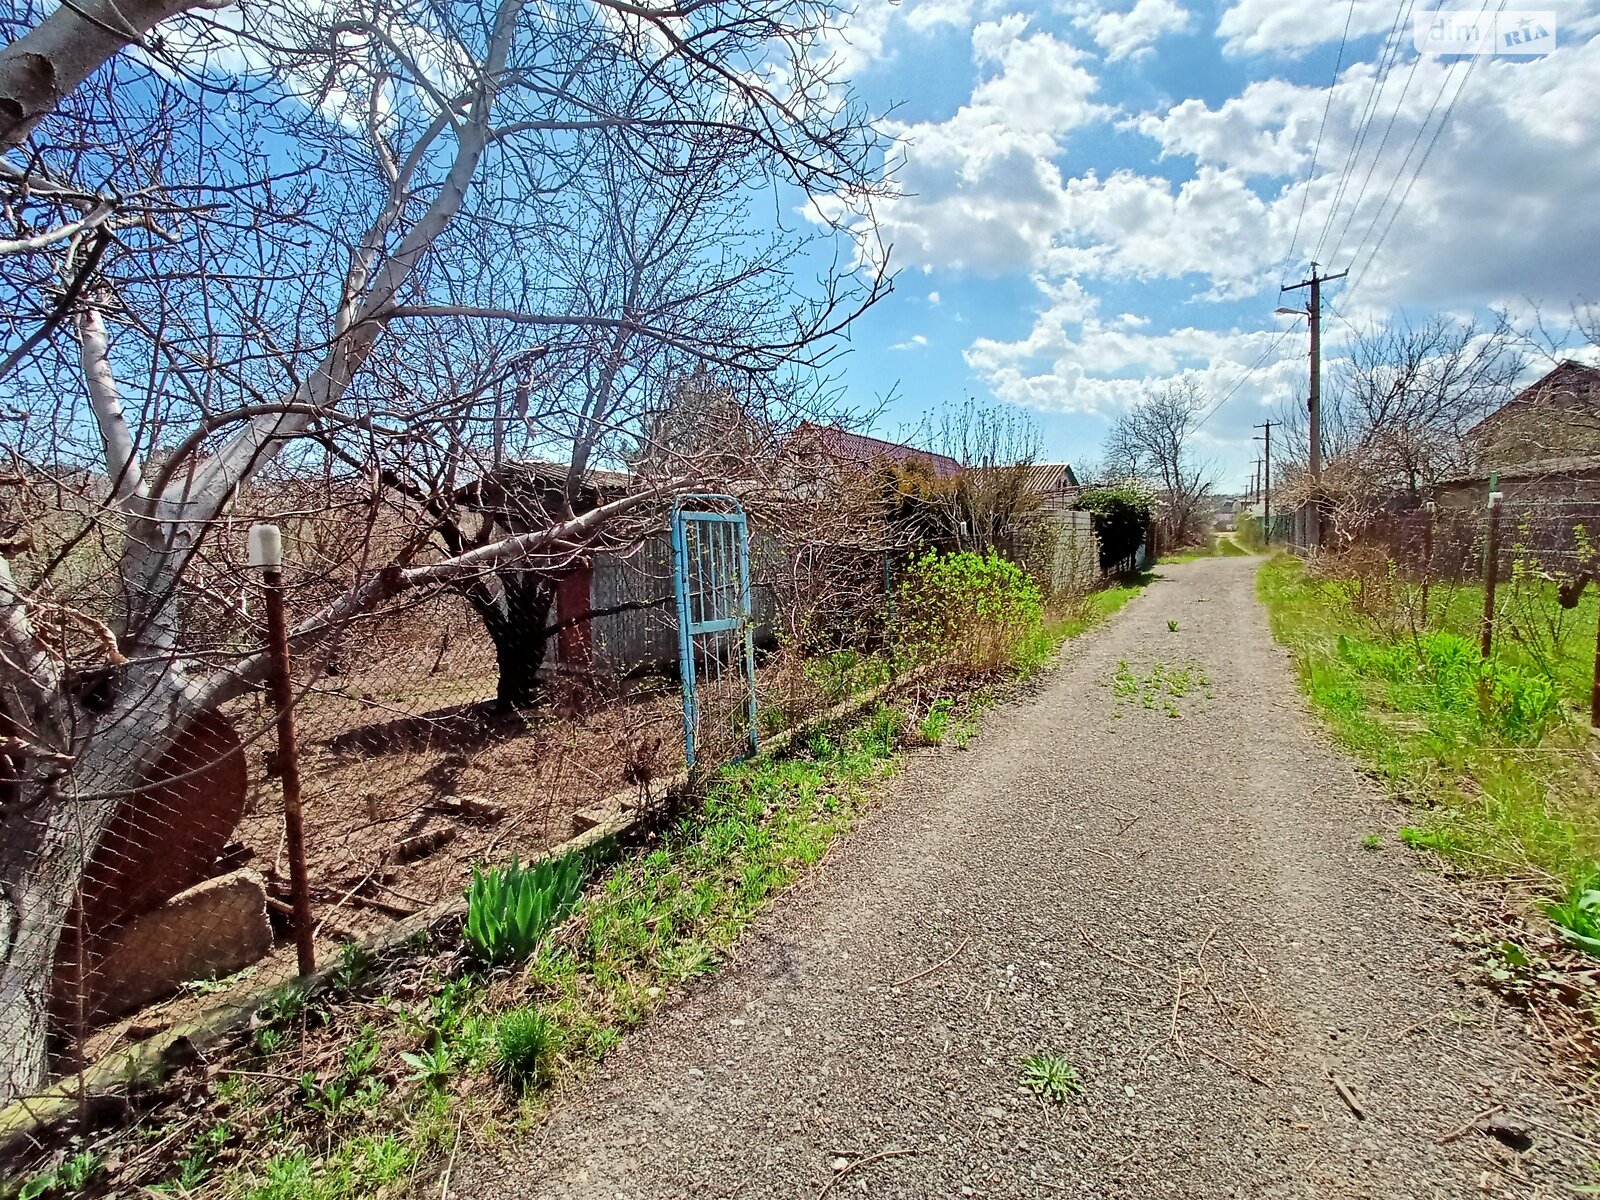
(712, 610)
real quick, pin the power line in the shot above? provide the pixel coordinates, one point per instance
(1379, 79)
(1416, 141)
(1240, 382)
(1377, 156)
(1417, 174)
(1316, 149)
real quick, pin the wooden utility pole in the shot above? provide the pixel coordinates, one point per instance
(1266, 475)
(1313, 314)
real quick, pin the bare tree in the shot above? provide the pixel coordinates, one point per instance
(52, 58)
(227, 256)
(997, 447)
(1153, 441)
(1397, 410)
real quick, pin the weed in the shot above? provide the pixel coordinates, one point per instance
(1125, 685)
(285, 1003)
(355, 964)
(1051, 1077)
(936, 724)
(1164, 684)
(1172, 626)
(509, 908)
(524, 1041)
(432, 1065)
(1371, 841)
(195, 1167)
(67, 1179)
(269, 1040)
(1577, 914)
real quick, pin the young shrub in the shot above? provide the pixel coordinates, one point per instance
(975, 610)
(510, 908)
(1248, 532)
(524, 1041)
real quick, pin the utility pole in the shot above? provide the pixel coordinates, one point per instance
(1313, 314)
(1255, 486)
(1266, 474)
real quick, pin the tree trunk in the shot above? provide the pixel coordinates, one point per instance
(55, 56)
(48, 836)
(515, 609)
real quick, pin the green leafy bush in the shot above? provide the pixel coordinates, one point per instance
(1121, 519)
(1248, 531)
(973, 609)
(509, 908)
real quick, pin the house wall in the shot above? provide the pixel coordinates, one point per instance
(642, 639)
(1575, 486)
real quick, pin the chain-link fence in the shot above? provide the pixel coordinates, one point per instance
(490, 716)
(174, 852)
(1516, 573)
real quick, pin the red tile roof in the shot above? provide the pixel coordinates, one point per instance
(870, 451)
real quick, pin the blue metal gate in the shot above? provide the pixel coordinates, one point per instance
(716, 639)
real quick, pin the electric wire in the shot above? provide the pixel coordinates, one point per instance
(1248, 372)
(1377, 156)
(1444, 120)
(1316, 149)
(1399, 174)
(1380, 78)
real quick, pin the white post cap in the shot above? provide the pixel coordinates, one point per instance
(266, 547)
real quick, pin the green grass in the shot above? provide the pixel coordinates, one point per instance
(650, 923)
(1498, 786)
(1222, 546)
(1228, 548)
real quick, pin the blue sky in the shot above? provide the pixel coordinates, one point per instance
(1102, 195)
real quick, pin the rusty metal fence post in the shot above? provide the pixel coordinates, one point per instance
(266, 554)
(1491, 575)
(1428, 514)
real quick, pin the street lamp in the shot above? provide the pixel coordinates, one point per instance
(1291, 312)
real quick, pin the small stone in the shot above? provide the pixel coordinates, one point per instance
(840, 1163)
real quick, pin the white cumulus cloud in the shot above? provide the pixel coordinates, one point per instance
(1133, 33)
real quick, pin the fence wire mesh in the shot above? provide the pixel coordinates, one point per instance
(414, 760)
(469, 720)
(1518, 576)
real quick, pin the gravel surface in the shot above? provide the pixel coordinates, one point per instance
(1175, 897)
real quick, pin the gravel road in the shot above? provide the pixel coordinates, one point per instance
(1175, 896)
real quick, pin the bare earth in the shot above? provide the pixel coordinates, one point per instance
(1178, 904)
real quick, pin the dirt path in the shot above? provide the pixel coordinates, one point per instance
(1180, 904)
